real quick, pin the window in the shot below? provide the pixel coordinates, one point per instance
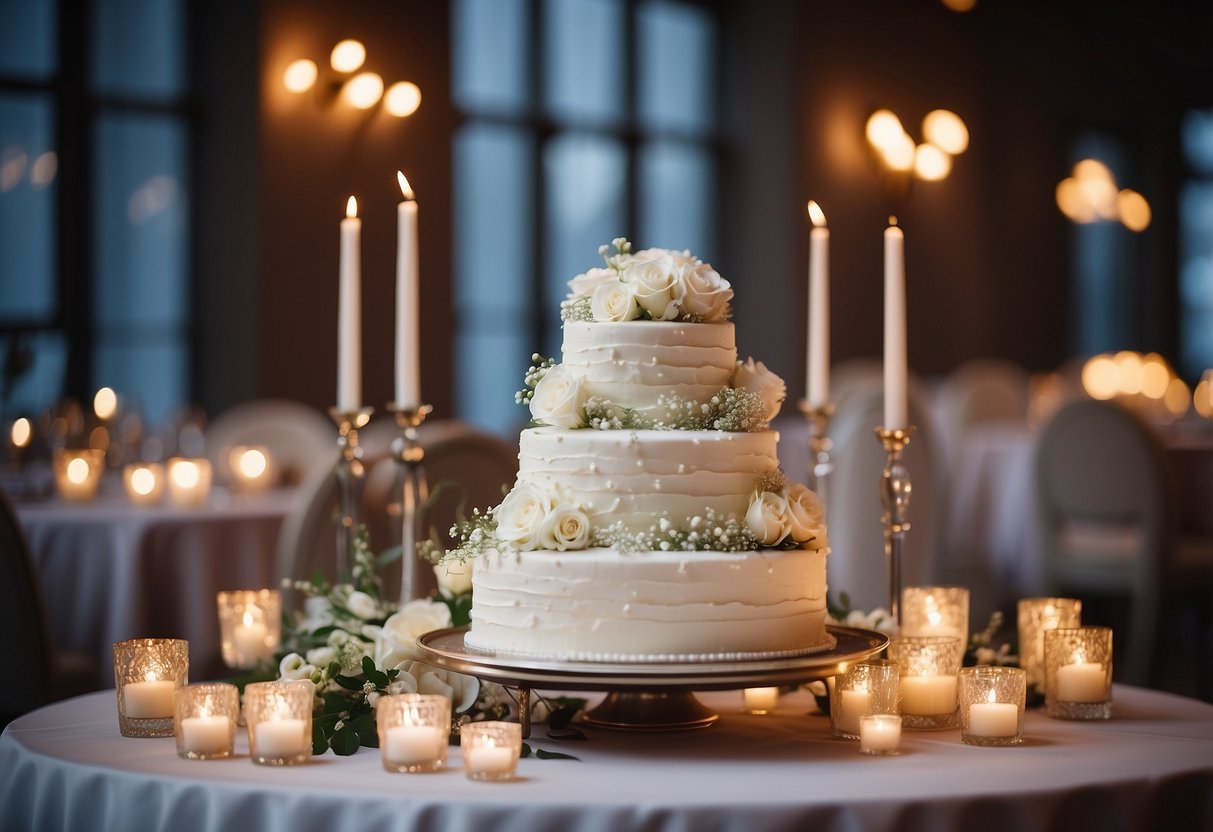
(1196, 248)
(94, 196)
(584, 120)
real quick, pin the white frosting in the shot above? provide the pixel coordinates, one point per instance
(599, 604)
(630, 475)
(634, 363)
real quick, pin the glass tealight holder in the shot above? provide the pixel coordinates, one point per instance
(189, 481)
(879, 734)
(205, 720)
(490, 749)
(935, 611)
(279, 720)
(991, 705)
(78, 472)
(147, 673)
(1078, 673)
(250, 468)
(414, 731)
(250, 626)
(760, 700)
(144, 483)
(928, 667)
(866, 688)
(1033, 616)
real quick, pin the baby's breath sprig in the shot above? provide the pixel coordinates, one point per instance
(709, 533)
(622, 246)
(476, 535)
(535, 374)
(602, 414)
(576, 309)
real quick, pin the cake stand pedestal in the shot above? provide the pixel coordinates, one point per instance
(646, 696)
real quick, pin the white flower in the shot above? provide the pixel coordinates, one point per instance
(352, 653)
(293, 666)
(557, 398)
(805, 516)
(877, 619)
(321, 656)
(680, 258)
(397, 643)
(583, 285)
(454, 577)
(754, 377)
(614, 302)
(337, 638)
(521, 515)
(317, 613)
(705, 292)
(460, 689)
(565, 527)
(362, 605)
(767, 518)
(657, 283)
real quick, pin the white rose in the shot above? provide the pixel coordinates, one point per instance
(768, 518)
(362, 605)
(805, 515)
(454, 577)
(397, 641)
(657, 285)
(705, 292)
(680, 258)
(565, 527)
(614, 302)
(293, 666)
(557, 398)
(521, 515)
(584, 285)
(337, 638)
(321, 656)
(317, 613)
(460, 689)
(754, 377)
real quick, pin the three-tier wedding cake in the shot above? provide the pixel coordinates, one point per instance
(650, 520)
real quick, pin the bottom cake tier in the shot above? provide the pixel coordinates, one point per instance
(605, 605)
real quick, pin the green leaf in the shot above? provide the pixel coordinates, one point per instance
(373, 674)
(322, 632)
(349, 682)
(526, 750)
(345, 741)
(567, 734)
(560, 718)
(327, 721)
(335, 702)
(389, 555)
(554, 755)
(364, 725)
(320, 742)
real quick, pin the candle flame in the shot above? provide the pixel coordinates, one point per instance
(934, 618)
(892, 219)
(991, 698)
(405, 188)
(248, 618)
(816, 214)
(351, 208)
(150, 676)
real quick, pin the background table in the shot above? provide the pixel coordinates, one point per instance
(111, 571)
(1151, 767)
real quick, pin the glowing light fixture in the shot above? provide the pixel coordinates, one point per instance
(931, 163)
(1091, 194)
(105, 403)
(300, 76)
(1101, 378)
(364, 90)
(947, 131)
(22, 432)
(252, 463)
(1134, 210)
(402, 99)
(347, 56)
(884, 129)
(1202, 398)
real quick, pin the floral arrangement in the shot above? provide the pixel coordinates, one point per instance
(653, 284)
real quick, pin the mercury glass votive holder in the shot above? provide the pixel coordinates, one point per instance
(250, 626)
(760, 700)
(250, 468)
(414, 731)
(991, 705)
(935, 611)
(879, 734)
(147, 673)
(189, 480)
(205, 720)
(490, 749)
(869, 687)
(279, 720)
(144, 483)
(1078, 673)
(78, 472)
(928, 667)
(1033, 616)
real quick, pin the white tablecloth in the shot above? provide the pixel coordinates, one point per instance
(111, 571)
(65, 767)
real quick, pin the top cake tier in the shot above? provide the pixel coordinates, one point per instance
(638, 364)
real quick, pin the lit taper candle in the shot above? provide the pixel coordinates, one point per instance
(408, 361)
(817, 383)
(349, 319)
(895, 416)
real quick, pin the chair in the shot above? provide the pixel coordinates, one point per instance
(39, 673)
(979, 392)
(297, 436)
(1105, 516)
(465, 468)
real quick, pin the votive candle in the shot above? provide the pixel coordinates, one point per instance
(879, 734)
(991, 705)
(189, 481)
(490, 749)
(205, 720)
(144, 483)
(147, 673)
(414, 731)
(279, 719)
(78, 472)
(869, 687)
(760, 700)
(1078, 673)
(1035, 616)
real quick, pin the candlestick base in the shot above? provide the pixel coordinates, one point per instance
(895, 491)
(413, 490)
(351, 476)
(820, 445)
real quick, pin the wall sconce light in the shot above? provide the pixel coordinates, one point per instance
(902, 159)
(361, 91)
(1090, 194)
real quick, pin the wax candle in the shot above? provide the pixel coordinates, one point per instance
(879, 733)
(249, 638)
(144, 483)
(151, 699)
(760, 700)
(349, 320)
(993, 719)
(1082, 682)
(189, 481)
(408, 361)
(855, 703)
(206, 734)
(895, 413)
(280, 738)
(817, 384)
(491, 760)
(414, 743)
(928, 695)
(78, 472)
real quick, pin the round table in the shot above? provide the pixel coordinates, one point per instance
(1150, 767)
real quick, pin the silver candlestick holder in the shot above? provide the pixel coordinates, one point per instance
(820, 445)
(895, 490)
(413, 490)
(351, 475)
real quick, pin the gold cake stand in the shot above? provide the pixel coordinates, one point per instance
(645, 696)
